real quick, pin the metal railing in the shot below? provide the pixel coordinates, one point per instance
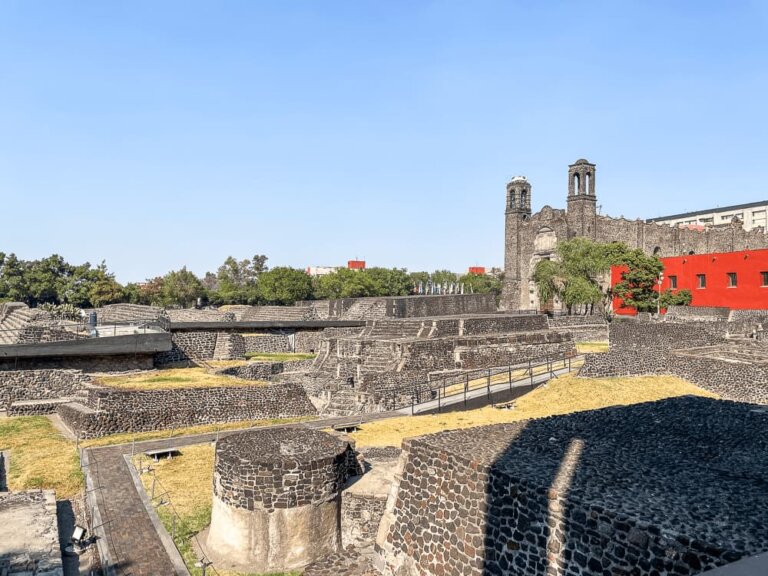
(443, 391)
(82, 329)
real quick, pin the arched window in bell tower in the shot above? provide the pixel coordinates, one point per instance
(523, 199)
(576, 184)
(587, 178)
(512, 199)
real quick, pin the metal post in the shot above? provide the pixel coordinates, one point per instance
(509, 373)
(133, 446)
(153, 488)
(530, 371)
(490, 398)
(466, 386)
(439, 406)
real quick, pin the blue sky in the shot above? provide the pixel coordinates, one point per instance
(161, 134)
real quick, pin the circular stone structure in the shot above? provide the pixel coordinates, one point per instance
(276, 498)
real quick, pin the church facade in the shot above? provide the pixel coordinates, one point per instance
(530, 237)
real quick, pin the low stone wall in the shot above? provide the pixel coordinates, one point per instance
(254, 370)
(693, 313)
(194, 315)
(229, 346)
(110, 411)
(746, 314)
(39, 384)
(122, 363)
(267, 343)
(666, 335)
(565, 321)
(740, 381)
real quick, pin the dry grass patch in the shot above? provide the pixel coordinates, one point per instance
(562, 395)
(591, 347)
(40, 456)
(173, 378)
(126, 437)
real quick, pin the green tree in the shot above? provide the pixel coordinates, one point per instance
(236, 282)
(344, 283)
(181, 288)
(639, 280)
(679, 298)
(104, 289)
(283, 285)
(481, 284)
(578, 276)
(389, 281)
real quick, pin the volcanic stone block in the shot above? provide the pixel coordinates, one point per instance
(276, 499)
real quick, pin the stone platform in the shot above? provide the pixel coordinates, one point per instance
(676, 486)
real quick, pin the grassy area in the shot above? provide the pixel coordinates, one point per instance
(591, 347)
(278, 356)
(187, 480)
(126, 437)
(560, 396)
(173, 378)
(40, 456)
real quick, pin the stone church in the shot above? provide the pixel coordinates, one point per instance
(531, 237)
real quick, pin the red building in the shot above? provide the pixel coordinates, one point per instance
(356, 264)
(480, 270)
(732, 279)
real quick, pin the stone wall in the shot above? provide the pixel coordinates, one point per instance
(307, 341)
(122, 363)
(665, 335)
(360, 517)
(254, 370)
(614, 491)
(586, 320)
(123, 313)
(18, 385)
(731, 380)
(287, 468)
(267, 343)
(188, 347)
(688, 313)
(110, 411)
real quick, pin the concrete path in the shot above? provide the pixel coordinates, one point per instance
(129, 542)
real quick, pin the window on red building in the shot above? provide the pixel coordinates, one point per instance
(673, 282)
(702, 280)
(765, 278)
(731, 279)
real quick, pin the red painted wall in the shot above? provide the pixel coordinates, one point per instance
(356, 264)
(748, 293)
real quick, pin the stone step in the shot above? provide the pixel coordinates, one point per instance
(34, 407)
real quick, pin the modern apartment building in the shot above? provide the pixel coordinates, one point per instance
(751, 215)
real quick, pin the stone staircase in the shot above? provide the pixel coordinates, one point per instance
(279, 313)
(343, 403)
(12, 325)
(379, 359)
(394, 329)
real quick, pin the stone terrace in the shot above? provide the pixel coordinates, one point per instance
(676, 486)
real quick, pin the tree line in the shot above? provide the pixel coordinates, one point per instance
(52, 281)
